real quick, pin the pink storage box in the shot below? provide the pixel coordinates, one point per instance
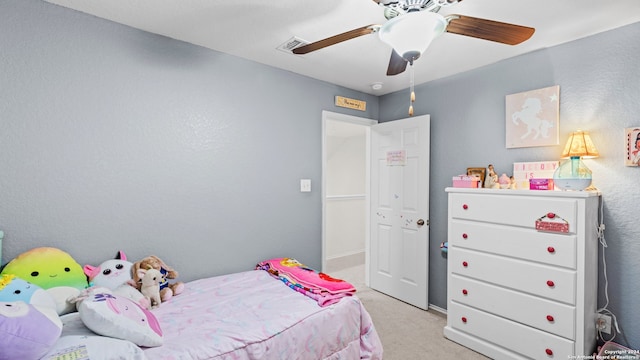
(466, 181)
(540, 184)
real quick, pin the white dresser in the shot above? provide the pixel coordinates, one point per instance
(515, 292)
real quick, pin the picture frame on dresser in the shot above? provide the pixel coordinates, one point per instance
(478, 171)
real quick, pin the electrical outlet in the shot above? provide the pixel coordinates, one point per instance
(603, 323)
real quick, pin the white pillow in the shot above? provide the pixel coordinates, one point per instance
(116, 316)
(94, 347)
(73, 325)
(60, 295)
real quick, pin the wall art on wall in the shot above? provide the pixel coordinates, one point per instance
(632, 143)
(533, 118)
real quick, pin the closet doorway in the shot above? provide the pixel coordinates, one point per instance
(345, 188)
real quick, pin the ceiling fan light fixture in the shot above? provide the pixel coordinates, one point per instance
(411, 33)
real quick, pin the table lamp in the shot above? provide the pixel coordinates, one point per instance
(573, 174)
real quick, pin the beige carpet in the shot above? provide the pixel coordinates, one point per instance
(406, 332)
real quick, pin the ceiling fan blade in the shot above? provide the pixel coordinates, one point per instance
(365, 30)
(397, 64)
(488, 29)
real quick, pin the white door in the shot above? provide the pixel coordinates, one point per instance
(399, 218)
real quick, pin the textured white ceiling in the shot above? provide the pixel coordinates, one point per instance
(253, 29)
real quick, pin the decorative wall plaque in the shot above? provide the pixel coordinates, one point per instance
(552, 223)
(351, 103)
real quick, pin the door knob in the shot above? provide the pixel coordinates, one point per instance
(420, 222)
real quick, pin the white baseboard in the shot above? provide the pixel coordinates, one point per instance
(345, 261)
(438, 309)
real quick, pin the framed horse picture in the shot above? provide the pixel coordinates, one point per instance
(533, 118)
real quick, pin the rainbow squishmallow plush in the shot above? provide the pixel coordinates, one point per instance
(12, 288)
(47, 267)
(53, 270)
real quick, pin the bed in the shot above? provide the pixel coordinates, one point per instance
(252, 315)
(51, 309)
(245, 315)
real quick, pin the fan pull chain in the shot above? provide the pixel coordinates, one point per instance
(413, 94)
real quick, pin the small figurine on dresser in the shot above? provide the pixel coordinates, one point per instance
(504, 181)
(512, 183)
(491, 182)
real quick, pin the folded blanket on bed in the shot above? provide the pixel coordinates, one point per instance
(317, 285)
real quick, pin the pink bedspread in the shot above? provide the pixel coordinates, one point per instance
(251, 315)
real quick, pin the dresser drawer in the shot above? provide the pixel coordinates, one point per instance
(546, 315)
(511, 210)
(528, 244)
(536, 279)
(516, 337)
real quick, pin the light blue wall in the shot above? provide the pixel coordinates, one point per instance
(113, 138)
(599, 81)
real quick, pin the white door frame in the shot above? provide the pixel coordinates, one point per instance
(326, 116)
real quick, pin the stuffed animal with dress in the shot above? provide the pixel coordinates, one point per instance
(167, 290)
(52, 270)
(150, 286)
(115, 275)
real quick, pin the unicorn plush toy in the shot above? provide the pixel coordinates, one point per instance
(115, 275)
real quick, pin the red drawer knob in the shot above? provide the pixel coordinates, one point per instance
(465, 206)
(464, 292)
(464, 236)
(550, 283)
(464, 319)
(465, 264)
(550, 318)
(549, 352)
(551, 249)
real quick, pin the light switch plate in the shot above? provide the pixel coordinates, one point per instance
(305, 185)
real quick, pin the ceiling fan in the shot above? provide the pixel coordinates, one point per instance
(413, 24)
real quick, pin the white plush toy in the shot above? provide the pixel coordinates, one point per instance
(115, 275)
(150, 287)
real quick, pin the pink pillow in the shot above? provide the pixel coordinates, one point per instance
(119, 317)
